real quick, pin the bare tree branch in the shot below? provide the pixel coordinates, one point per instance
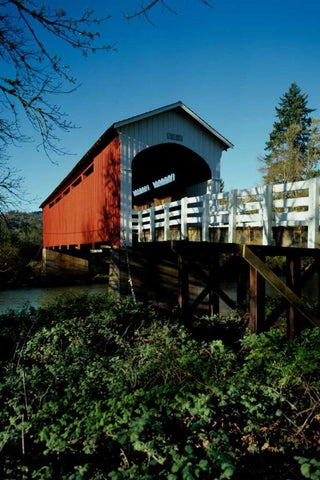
(11, 188)
(34, 74)
(146, 8)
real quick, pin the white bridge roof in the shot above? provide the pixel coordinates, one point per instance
(176, 106)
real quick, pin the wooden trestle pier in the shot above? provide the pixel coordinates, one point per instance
(178, 266)
(252, 273)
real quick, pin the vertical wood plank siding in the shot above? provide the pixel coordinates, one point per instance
(90, 212)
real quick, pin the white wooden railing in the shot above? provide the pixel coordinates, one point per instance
(285, 205)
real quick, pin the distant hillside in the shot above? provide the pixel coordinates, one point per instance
(18, 219)
(20, 243)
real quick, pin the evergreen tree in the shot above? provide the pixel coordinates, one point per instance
(312, 165)
(288, 157)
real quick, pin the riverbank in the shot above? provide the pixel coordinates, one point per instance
(32, 276)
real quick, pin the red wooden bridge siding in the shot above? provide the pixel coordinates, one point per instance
(86, 209)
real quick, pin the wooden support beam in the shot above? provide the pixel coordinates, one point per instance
(115, 272)
(242, 276)
(294, 283)
(283, 304)
(280, 286)
(225, 298)
(202, 295)
(214, 274)
(257, 300)
(318, 284)
(198, 271)
(218, 292)
(183, 288)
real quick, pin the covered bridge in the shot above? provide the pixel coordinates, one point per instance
(148, 159)
(156, 157)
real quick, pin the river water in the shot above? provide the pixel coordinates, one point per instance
(17, 298)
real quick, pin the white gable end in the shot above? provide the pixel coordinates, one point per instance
(164, 126)
(169, 127)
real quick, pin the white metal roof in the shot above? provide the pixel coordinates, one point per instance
(175, 106)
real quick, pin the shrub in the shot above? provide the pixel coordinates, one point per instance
(95, 388)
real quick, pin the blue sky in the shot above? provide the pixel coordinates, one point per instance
(230, 64)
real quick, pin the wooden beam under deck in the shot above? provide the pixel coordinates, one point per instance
(259, 274)
(188, 275)
(293, 299)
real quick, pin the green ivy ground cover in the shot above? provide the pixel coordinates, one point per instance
(94, 388)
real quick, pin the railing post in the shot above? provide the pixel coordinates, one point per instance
(232, 216)
(140, 226)
(267, 215)
(205, 219)
(184, 218)
(152, 224)
(166, 220)
(209, 186)
(313, 223)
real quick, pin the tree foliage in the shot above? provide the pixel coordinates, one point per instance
(20, 245)
(313, 150)
(293, 147)
(94, 388)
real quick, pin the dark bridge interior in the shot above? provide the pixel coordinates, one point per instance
(163, 172)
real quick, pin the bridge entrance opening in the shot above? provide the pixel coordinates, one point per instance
(164, 173)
